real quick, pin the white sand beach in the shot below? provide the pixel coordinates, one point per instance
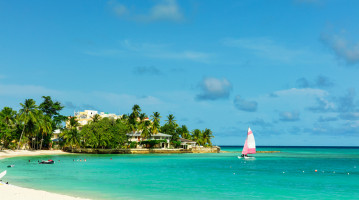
(12, 192)
(14, 153)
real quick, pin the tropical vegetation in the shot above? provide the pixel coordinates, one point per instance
(33, 125)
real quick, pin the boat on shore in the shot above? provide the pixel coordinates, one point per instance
(249, 146)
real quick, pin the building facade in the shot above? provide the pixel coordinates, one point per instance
(136, 137)
(84, 117)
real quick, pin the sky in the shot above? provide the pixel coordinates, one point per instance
(287, 69)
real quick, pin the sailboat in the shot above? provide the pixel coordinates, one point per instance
(249, 146)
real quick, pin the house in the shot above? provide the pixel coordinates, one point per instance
(56, 135)
(187, 144)
(136, 137)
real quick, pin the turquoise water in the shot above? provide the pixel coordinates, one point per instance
(196, 176)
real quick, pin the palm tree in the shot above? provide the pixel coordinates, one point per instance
(28, 112)
(142, 117)
(156, 116)
(31, 132)
(142, 123)
(197, 136)
(45, 126)
(71, 134)
(136, 110)
(133, 118)
(7, 117)
(156, 122)
(185, 133)
(170, 119)
(96, 118)
(146, 131)
(206, 137)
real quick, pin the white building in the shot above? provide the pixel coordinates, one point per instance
(136, 137)
(86, 116)
(187, 144)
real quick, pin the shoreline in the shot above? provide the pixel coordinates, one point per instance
(13, 192)
(17, 153)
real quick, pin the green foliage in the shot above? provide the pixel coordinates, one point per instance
(176, 144)
(33, 125)
(133, 144)
(7, 126)
(151, 143)
(170, 128)
(105, 133)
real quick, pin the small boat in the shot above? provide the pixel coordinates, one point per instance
(47, 162)
(249, 146)
(9, 166)
(2, 174)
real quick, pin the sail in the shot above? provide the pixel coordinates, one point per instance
(250, 144)
(245, 148)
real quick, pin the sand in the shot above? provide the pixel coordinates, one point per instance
(12, 192)
(14, 153)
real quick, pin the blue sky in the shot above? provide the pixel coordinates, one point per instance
(288, 69)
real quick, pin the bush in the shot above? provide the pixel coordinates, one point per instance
(176, 144)
(133, 144)
(151, 143)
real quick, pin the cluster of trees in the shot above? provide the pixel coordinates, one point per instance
(111, 133)
(98, 133)
(32, 125)
(140, 122)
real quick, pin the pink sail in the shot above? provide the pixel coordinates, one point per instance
(250, 145)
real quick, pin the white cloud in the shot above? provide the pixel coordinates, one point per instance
(26, 90)
(300, 92)
(151, 50)
(289, 116)
(245, 105)
(266, 47)
(164, 10)
(342, 47)
(183, 55)
(213, 89)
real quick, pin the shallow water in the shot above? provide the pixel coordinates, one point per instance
(196, 176)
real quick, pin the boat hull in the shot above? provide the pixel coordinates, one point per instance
(47, 162)
(246, 157)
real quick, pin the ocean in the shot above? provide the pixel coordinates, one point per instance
(293, 173)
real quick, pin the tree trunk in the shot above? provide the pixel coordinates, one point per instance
(36, 143)
(42, 138)
(18, 145)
